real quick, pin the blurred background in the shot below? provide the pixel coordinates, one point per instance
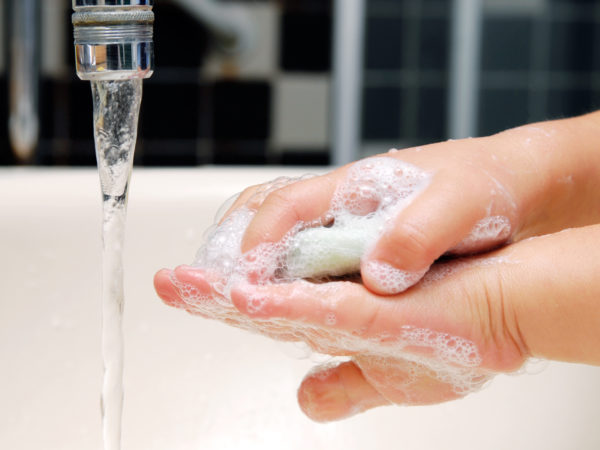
(272, 104)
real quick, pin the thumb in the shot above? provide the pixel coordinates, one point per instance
(334, 393)
(437, 220)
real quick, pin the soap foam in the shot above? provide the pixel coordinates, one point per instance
(487, 233)
(363, 207)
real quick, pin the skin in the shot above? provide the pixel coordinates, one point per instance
(533, 298)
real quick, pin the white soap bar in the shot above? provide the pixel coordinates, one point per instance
(332, 251)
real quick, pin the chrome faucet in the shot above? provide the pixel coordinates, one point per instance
(113, 39)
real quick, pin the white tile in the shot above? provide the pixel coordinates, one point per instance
(260, 59)
(301, 111)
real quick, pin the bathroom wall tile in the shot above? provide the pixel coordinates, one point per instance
(383, 46)
(572, 45)
(6, 156)
(301, 111)
(170, 111)
(48, 111)
(305, 41)
(434, 43)
(306, 5)
(569, 102)
(241, 110)
(512, 7)
(81, 152)
(167, 152)
(506, 43)
(2, 37)
(240, 152)
(500, 109)
(260, 59)
(305, 157)
(80, 110)
(432, 114)
(179, 39)
(381, 113)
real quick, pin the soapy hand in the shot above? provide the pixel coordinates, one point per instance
(467, 320)
(474, 195)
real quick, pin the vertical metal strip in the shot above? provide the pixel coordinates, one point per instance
(348, 40)
(465, 56)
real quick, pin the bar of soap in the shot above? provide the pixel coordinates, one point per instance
(332, 251)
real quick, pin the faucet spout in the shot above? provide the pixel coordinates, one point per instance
(113, 39)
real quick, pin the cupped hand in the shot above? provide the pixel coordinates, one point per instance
(467, 320)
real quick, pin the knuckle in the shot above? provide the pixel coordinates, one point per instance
(493, 317)
(283, 200)
(412, 243)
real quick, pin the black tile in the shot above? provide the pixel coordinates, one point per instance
(572, 46)
(506, 43)
(241, 110)
(574, 2)
(306, 5)
(500, 109)
(54, 108)
(6, 156)
(434, 43)
(170, 111)
(80, 110)
(383, 45)
(174, 152)
(44, 153)
(299, 157)
(381, 113)
(4, 107)
(179, 39)
(305, 41)
(432, 114)
(568, 103)
(235, 152)
(81, 153)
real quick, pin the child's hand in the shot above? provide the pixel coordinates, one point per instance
(467, 320)
(481, 193)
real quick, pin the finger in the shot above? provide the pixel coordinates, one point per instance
(303, 201)
(338, 392)
(166, 290)
(340, 305)
(437, 220)
(197, 294)
(236, 202)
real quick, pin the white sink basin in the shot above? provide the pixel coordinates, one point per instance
(192, 383)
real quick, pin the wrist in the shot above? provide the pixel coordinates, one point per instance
(558, 165)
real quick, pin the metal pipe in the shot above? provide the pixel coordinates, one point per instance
(465, 56)
(349, 24)
(23, 122)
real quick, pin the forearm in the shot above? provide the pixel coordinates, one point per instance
(553, 294)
